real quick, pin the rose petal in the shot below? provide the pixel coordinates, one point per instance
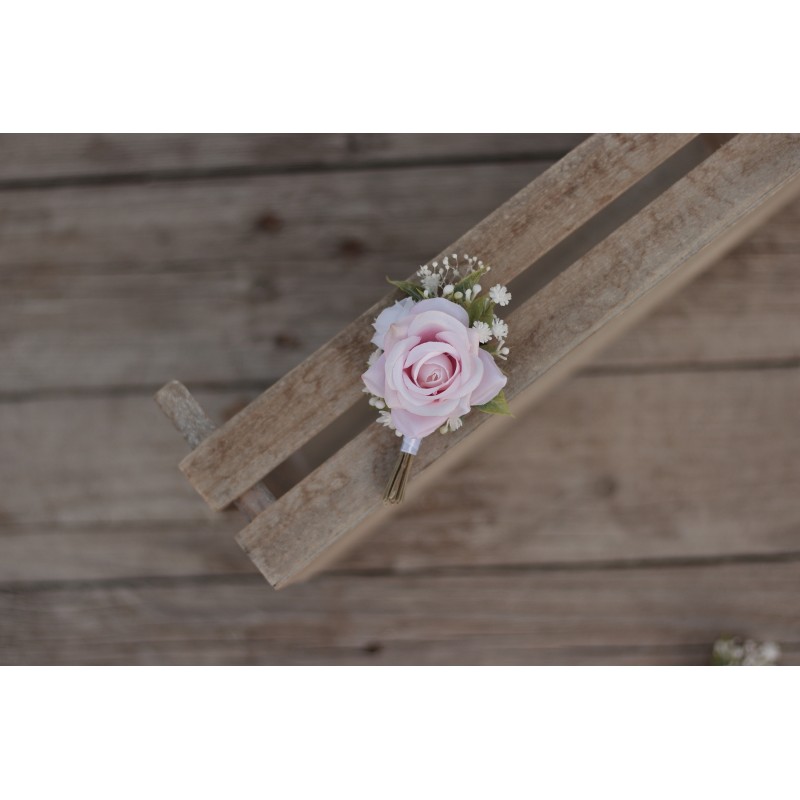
(491, 383)
(430, 324)
(375, 377)
(434, 370)
(398, 331)
(427, 349)
(389, 316)
(417, 427)
(445, 306)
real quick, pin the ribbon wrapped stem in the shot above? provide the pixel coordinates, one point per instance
(396, 487)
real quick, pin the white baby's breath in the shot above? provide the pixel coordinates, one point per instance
(385, 418)
(431, 282)
(499, 328)
(452, 424)
(500, 295)
(484, 331)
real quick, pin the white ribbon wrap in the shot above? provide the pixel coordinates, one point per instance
(410, 446)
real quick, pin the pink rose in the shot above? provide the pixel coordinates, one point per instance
(432, 367)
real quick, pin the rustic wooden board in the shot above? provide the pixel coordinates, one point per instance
(613, 467)
(214, 281)
(117, 327)
(662, 246)
(523, 229)
(659, 614)
(47, 157)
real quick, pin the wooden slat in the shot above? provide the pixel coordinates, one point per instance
(744, 310)
(615, 467)
(665, 244)
(526, 227)
(81, 155)
(186, 414)
(502, 616)
(82, 326)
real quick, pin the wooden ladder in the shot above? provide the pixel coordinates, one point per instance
(587, 248)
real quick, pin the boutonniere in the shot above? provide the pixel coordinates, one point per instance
(436, 357)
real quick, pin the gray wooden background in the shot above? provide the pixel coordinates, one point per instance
(647, 507)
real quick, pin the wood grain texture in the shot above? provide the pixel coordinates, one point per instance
(619, 467)
(47, 157)
(188, 417)
(218, 280)
(102, 327)
(113, 559)
(661, 615)
(128, 287)
(526, 227)
(665, 241)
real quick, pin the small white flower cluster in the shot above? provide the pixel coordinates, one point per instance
(499, 330)
(747, 653)
(453, 424)
(500, 295)
(445, 276)
(384, 414)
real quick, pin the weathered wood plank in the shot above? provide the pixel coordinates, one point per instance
(743, 310)
(84, 459)
(192, 422)
(540, 216)
(315, 218)
(118, 327)
(610, 467)
(80, 155)
(504, 616)
(214, 281)
(666, 243)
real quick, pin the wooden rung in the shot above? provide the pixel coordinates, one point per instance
(187, 415)
(325, 385)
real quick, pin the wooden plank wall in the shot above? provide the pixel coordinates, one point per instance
(653, 507)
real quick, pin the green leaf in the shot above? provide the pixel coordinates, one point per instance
(470, 280)
(481, 309)
(499, 405)
(411, 289)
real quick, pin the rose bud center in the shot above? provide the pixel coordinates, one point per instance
(434, 371)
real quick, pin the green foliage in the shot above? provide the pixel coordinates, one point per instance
(411, 289)
(498, 405)
(470, 280)
(481, 309)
